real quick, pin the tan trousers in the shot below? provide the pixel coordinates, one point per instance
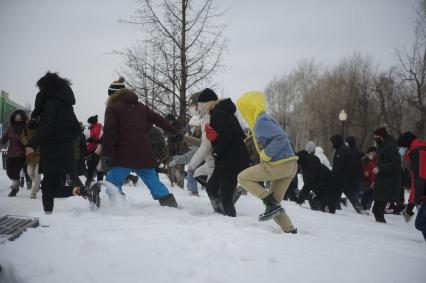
(35, 176)
(279, 175)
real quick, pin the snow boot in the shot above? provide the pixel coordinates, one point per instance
(293, 231)
(217, 205)
(273, 208)
(29, 184)
(15, 188)
(168, 200)
(92, 194)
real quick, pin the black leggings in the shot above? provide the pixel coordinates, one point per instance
(53, 186)
(221, 186)
(14, 166)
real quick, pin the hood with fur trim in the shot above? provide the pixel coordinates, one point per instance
(123, 95)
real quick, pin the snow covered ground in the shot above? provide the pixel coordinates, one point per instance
(138, 241)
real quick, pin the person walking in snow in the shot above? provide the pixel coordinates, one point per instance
(127, 146)
(15, 151)
(278, 161)
(312, 148)
(317, 178)
(388, 173)
(184, 159)
(57, 130)
(94, 145)
(369, 163)
(229, 151)
(32, 160)
(202, 163)
(343, 169)
(414, 153)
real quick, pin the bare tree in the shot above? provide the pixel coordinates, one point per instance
(182, 52)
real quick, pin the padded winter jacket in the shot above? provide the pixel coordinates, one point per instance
(126, 138)
(271, 141)
(388, 181)
(415, 158)
(203, 153)
(57, 130)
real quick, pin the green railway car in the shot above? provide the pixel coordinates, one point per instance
(7, 107)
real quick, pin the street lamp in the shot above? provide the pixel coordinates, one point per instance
(343, 116)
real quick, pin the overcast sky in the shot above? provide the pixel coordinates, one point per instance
(266, 38)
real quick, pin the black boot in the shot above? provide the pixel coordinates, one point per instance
(273, 208)
(92, 194)
(15, 188)
(217, 205)
(168, 200)
(29, 184)
(22, 182)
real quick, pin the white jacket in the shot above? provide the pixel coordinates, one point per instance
(203, 153)
(319, 152)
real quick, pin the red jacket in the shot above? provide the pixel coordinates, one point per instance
(95, 136)
(369, 176)
(415, 158)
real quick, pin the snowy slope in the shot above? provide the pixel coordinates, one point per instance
(138, 241)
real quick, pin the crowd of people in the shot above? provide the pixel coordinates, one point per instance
(213, 151)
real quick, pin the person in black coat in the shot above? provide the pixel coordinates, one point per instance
(318, 179)
(229, 151)
(388, 180)
(57, 131)
(358, 172)
(343, 169)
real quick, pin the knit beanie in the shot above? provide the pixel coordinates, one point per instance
(310, 147)
(381, 132)
(116, 85)
(93, 119)
(207, 95)
(406, 139)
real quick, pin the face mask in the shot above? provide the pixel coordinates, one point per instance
(402, 151)
(378, 141)
(193, 112)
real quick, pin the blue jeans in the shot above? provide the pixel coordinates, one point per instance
(421, 219)
(192, 183)
(117, 175)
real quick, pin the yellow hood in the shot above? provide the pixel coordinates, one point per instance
(251, 105)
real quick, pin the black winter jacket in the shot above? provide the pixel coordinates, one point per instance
(317, 178)
(343, 163)
(230, 151)
(388, 180)
(57, 130)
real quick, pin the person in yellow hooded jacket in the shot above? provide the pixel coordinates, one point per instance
(278, 161)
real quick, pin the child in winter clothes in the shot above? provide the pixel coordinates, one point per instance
(186, 158)
(278, 161)
(15, 152)
(369, 163)
(33, 160)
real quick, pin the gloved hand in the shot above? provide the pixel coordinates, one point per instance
(105, 163)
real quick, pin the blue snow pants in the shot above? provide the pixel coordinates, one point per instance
(117, 175)
(191, 182)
